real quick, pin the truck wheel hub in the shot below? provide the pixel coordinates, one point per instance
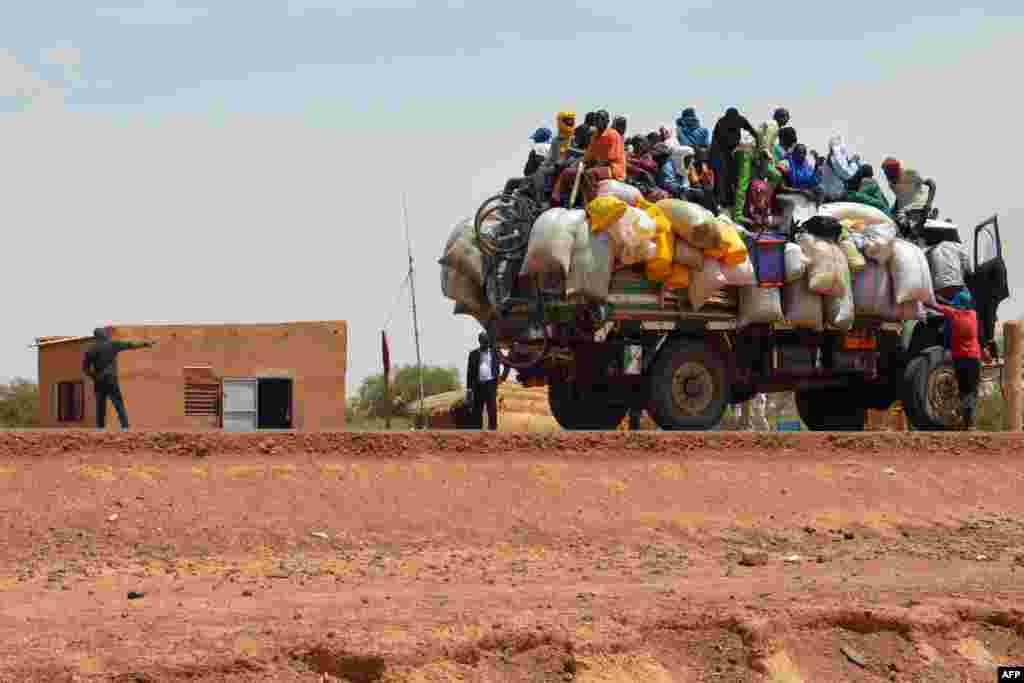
(693, 388)
(944, 395)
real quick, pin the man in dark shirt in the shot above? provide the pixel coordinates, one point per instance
(724, 141)
(100, 365)
(483, 375)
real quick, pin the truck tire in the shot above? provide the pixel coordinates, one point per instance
(578, 411)
(831, 410)
(690, 386)
(932, 394)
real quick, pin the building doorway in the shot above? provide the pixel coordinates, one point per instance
(274, 403)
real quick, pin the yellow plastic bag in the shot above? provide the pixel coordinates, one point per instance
(660, 219)
(659, 267)
(733, 250)
(679, 278)
(604, 211)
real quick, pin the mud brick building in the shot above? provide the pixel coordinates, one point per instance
(231, 377)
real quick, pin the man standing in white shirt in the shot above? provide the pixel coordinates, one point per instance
(482, 382)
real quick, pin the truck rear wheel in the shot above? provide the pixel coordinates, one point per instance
(576, 410)
(932, 399)
(831, 410)
(689, 386)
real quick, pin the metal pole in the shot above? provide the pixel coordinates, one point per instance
(1013, 332)
(415, 318)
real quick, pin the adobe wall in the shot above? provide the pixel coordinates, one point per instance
(312, 355)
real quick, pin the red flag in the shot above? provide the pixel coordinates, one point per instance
(385, 354)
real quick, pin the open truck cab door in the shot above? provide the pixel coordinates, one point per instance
(988, 284)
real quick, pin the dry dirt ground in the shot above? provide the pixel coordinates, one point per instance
(433, 557)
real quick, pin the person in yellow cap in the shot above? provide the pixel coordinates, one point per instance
(559, 150)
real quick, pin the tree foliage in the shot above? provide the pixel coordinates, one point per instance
(405, 388)
(19, 404)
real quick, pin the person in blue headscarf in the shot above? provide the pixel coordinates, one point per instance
(689, 132)
(798, 171)
(539, 151)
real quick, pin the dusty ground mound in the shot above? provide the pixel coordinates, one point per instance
(437, 557)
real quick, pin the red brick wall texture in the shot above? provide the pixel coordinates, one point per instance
(312, 355)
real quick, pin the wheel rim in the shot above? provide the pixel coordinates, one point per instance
(693, 388)
(944, 396)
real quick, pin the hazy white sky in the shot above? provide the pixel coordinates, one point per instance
(182, 162)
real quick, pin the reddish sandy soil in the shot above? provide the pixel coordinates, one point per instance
(462, 557)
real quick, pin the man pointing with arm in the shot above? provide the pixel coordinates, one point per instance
(100, 365)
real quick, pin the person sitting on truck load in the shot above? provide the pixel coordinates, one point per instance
(539, 152)
(619, 123)
(798, 174)
(702, 181)
(605, 159)
(724, 141)
(962, 341)
(907, 185)
(689, 132)
(864, 189)
(787, 140)
(581, 137)
(558, 152)
(769, 134)
(836, 169)
(668, 177)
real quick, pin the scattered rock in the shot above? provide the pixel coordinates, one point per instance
(365, 600)
(810, 530)
(981, 558)
(320, 535)
(246, 594)
(113, 517)
(136, 595)
(890, 471)
(753, 558)
(854, 656)
(794, 559)
(849, 536)
(822, 559)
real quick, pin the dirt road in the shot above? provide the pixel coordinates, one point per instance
(454, 557)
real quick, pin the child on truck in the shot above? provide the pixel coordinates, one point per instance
(962, 341)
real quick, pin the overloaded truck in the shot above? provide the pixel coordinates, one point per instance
(647, 349)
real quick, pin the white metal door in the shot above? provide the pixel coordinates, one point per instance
(240, 405)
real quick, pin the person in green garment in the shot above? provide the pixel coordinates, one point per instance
(862, 188)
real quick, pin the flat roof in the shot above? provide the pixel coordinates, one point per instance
(53, 340)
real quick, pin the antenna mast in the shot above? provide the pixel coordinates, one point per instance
(415, 318)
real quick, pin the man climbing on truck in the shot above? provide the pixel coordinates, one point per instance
(962, 341)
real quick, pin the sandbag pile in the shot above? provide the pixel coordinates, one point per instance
(854, 269)
(847, 261)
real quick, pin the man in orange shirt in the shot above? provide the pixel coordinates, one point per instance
(607, 150)
(605, 159)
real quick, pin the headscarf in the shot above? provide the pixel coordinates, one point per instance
(565, 130)
(541, 135)
(690, 132)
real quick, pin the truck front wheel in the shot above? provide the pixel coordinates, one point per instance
(576, 410)
(932, 393)
(831, 410)
(689, 386)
